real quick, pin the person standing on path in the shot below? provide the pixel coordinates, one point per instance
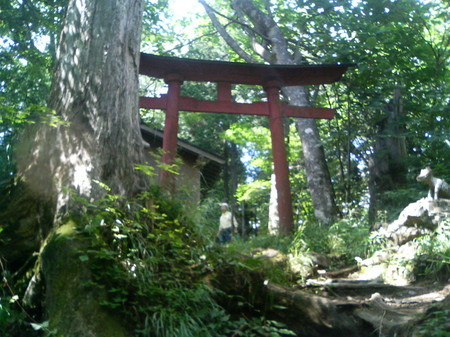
(227, 224)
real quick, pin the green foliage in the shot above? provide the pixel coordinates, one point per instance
(149, 260)
(262, 240)
(253, 190)
(434, 325)
(28, 34)
(345, 239)
(10, 319)
(14, 321)
(262, 327)
(146, 259)
(256, 135)
(433, 255)
(245, 257)
(207, 217)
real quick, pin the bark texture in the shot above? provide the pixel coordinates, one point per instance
(230, 173)
(73, 306)
(90, 138)
(93, 129)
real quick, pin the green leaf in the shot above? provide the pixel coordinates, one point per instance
(372, 41)
(146, 169)
(84, 258)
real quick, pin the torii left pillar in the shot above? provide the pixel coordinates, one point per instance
(170, 138)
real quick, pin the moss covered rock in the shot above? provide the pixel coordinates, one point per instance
(73, 305)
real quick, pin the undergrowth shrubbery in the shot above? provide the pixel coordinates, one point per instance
(344, 240)
(15, 321)
(152, 263)
(433, 255)
(347, 238)
(12, 318)
(434, 324)
(264, 241)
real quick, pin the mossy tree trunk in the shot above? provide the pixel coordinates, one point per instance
(91, 138)
(73, 305)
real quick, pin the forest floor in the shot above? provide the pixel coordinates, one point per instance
(357, 301)
(419, 293)
(411, 299)
(391, 310)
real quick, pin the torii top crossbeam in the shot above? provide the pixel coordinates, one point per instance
(239, 73)
(271, 77)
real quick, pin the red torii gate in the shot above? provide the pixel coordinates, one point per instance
(271, 77)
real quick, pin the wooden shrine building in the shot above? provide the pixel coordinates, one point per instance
(271, 77)
(198, 168)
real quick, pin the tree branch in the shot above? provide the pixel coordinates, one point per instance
(267, 6)
(261, 48)
(227, 37)
(189, 42)
(267, 26)
(245, 26)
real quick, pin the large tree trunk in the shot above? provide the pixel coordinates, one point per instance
(94, 99)
(92, 138)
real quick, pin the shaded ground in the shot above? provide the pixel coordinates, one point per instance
(387, 308)
(341, 306)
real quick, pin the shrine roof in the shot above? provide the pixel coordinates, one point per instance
(239, 73)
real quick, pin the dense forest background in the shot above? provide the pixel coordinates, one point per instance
(392, 120)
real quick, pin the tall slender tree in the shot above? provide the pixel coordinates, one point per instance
(269, 42)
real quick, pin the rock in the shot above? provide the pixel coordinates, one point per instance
(400, 270)
(308, 264)
(395, 264)
(273, 255)
(417, 219)
(320, 260)
(418, 214)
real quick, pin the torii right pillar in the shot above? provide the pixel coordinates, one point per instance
(281, 167)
